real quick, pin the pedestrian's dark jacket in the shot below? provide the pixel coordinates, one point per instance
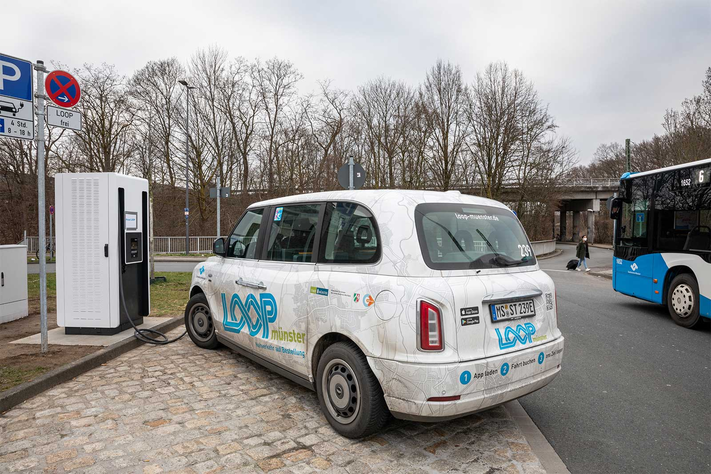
(582, 250)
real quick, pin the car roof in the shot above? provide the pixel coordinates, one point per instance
(372, 196)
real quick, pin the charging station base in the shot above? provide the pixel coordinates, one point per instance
(103, 331)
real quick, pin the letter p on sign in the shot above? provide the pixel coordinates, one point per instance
(13, 69)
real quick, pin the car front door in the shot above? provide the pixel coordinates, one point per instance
(237, 302)
(284, 276)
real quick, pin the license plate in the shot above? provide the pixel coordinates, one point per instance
(514, 310)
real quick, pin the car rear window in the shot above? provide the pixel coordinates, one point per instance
(459, 237)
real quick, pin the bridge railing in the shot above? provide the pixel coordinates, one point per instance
(593, 182)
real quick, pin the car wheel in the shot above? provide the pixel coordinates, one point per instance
(198, 322)
(683, 300)
(349, 394)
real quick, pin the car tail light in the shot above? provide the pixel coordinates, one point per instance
(430, 327)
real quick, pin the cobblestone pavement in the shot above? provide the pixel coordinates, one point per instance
(178, 408)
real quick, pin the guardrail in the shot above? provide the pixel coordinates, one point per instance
(543, 247)
(203, 244)
(594, 182)
(198, 244)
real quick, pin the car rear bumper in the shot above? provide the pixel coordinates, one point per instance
(480, 384)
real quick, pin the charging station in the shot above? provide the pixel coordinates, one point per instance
(102, 242)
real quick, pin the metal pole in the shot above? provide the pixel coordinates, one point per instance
(187, 165)
(219, 191)
(39, 67)
(51, 239)
(627, 155)
(350, 172)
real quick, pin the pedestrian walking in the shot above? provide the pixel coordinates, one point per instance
(582, 253)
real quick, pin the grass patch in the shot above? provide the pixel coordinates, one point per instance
(10, 376)
(33, 299)
(167, 298)
(36, 260)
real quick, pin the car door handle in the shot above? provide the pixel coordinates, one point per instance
(249, 284)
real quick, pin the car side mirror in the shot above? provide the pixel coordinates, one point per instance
(218, 247)
(615, 208)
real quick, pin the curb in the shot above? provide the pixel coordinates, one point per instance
(546, 256)
(27, 390)
(540, 446)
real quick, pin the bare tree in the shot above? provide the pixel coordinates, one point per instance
(277, 80)
(240, 103)
(327, 119)
(443, 95)
(154, 92)
(107, 119)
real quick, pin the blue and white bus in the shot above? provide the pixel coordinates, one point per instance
(663, 239)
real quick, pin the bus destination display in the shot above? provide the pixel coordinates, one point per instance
(699, 177)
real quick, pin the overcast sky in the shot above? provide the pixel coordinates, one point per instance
(608, 70)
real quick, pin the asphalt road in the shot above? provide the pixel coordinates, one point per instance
(634, 394)
(33, 268)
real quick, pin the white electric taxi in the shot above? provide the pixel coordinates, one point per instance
(424, 305)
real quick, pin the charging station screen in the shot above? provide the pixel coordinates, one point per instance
(131, 221)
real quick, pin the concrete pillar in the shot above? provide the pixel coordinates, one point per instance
(553, 225)
(591, 227)
(563, 225)
(576, 226)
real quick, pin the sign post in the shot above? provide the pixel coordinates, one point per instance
(40, 204)
(51, 237)
(218, 193)
(351, 175)
(17, 118)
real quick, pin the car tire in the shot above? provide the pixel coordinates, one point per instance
(349, 393)
(683, 300)
(199, 324)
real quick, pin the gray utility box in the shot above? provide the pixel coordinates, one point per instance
(13, 282)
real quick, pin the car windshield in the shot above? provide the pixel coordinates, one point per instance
(462, 236)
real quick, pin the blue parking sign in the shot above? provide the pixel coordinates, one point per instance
(639, 217)
(15, 78)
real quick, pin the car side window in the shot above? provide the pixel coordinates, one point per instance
(350, 235)
(243, 240)
(292, 234)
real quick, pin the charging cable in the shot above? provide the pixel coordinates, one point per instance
(150, 336)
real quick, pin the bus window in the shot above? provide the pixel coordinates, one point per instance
(682, 212)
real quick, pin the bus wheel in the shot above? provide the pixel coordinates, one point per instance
(683, 300)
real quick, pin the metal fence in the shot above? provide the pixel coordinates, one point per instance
(198, 244)
(203, 244)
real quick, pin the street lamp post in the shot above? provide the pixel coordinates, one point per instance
(188, 88)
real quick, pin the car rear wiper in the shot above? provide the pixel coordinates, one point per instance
(461, 249)
(493, 250)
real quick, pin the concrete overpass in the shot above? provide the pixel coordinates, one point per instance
(582, 195)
